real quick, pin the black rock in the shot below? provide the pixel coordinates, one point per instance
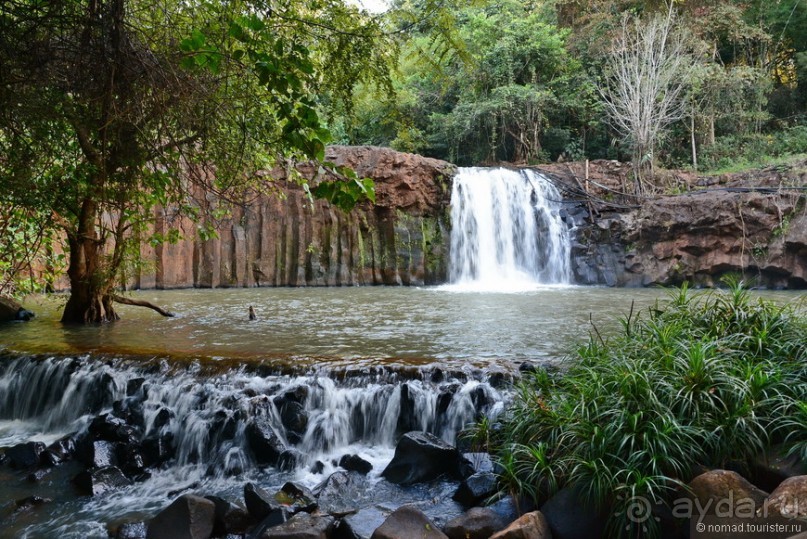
(476, 488)
(230, 518)
(95, 482)
(407, 420)
(97, 454)
(133, 386)
(188, 517)
(298, 394)
(570, 517)
(263, 506)
(30, 502)
(130, 459)
(162, 418)
(158, 449)
(507, 510)
(318, 467)
(478, 523)
(131, 530)
(297, 498)
(354, 463)
(293, 416)
(60, 451)
(421, 456)
(114, 429)
(25, 456)
(264, 443)
(38, 475)
(481, 462)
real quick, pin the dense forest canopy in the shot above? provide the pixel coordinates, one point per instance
(112, 108)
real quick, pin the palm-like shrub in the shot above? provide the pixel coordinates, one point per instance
(704, 379)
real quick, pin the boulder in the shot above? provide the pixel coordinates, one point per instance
(478, 523)
(11, 310)
(361, 524)
(354, 463)
(60, 451)
(268, 448)
(789, 499)
(97, 454)
(421, 456)
(263, 506)
(570, 517)
(230, 518)
(331, 492)
(25, 456)
(711, 488)
(293, 417)
(188, 517)
(158, 449)
(296, 498)
(95, 482)
(507, 509)
(476, 488)
(406, 522)
(530, 526)
(301, 526)
(481, 462)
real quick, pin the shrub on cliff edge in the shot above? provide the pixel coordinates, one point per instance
(705, 379)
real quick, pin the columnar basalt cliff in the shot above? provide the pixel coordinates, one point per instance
(281, 240)
(752, 224)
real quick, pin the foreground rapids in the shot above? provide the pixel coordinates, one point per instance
(168, 429)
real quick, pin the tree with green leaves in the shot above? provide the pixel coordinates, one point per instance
(109, 108)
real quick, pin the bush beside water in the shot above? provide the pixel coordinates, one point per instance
(704, 380)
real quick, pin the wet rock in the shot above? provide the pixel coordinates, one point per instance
(10, 310)
(296, 498)
(480, 461)
(230, 518)
(570, 517)
(263, 506)
(301, 526)
(478, 523)
(60, 451)
(361, 524)
(38, 475)
(354, 463)
(317, 468)
(407, 419)
(97, 454)
(133, 386)
(131, 530)
(130, 459)
(293, 417)
(114, 429)
(224, 426)
(506, 509)
(265, 444)
(421, 456)
(406, 522)
(713, 486)
(188, 517)
(25, 456)
(162, 418)
(473, 490)
(531, 526)
(331, 493)
(96, 482)
(445, 397)
(789, 499)
(158, 449)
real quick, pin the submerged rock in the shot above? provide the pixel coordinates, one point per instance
(131, 530)
(95, 482)
(188, 517)
(421, 456)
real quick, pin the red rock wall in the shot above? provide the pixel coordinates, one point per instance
(282, 241)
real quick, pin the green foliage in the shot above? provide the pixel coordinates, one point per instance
(733, 151)
(703, 380)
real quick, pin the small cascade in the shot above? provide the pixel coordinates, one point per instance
(214, 420)
(507, 233)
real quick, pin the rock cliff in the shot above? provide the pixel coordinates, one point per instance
(753, 224)
(280, 239)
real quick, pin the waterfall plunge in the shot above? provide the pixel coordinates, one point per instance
(507, 234)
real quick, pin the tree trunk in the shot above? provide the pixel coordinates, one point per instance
(90, 299)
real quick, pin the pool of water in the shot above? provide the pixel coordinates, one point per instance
(343, 326)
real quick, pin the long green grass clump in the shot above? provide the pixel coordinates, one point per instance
(703, 380)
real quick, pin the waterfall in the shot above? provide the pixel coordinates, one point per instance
(507, 233)
(208, 416)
